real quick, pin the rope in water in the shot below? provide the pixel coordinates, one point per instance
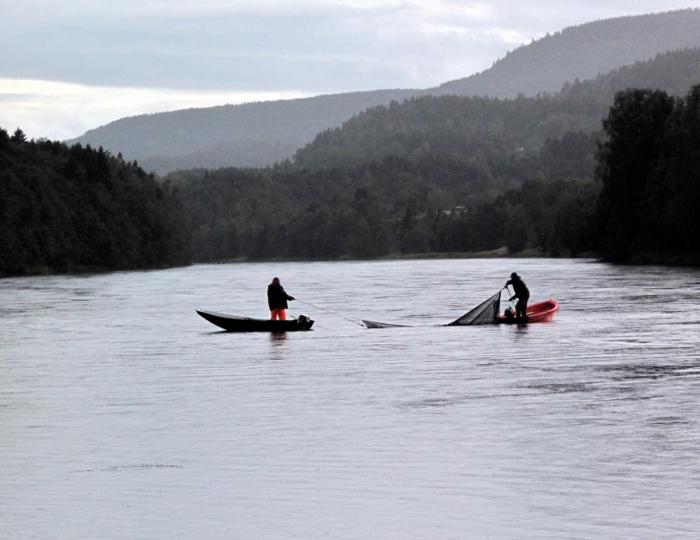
(331, 312)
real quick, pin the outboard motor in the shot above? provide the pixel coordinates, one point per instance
(305, 322)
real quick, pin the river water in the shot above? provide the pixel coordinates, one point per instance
(125, 415)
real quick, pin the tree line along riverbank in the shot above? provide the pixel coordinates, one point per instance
(627, 193)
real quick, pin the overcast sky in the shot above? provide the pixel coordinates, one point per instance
(68, 66)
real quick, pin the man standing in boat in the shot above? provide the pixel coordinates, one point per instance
(522, 293)
(277, 300)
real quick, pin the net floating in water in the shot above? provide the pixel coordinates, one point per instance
(484, 313)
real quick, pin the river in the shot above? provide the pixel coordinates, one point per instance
(125, 415)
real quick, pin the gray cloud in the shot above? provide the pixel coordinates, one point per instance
(307, 45)
(65, 110)
(136, 56)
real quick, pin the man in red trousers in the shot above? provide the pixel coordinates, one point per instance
(277, 300)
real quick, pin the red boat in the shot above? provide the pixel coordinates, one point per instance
(538, 312)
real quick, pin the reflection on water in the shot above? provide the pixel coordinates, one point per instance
(278, 338)
(562, 387)
(278, 345)
(651, 371)
(125, 415)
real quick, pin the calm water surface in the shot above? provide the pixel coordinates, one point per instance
(125, 415)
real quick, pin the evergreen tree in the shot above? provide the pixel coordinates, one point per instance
(630, 201)
(65, 209)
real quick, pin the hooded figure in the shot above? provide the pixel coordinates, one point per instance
(522, 293)
(277, 300)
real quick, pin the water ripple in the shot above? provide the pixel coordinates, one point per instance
(124, 415)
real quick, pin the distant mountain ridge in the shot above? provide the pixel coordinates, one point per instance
(483, 128)
(247, 135)
(260, 134)
(581, 52)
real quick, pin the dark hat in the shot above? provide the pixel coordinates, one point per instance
(514, 275)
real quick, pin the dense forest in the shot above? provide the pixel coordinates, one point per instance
(650, 175)
(74, 209)
(433, 174)
(380, 208)
(260, 134)
(66, 209)
(590, 170)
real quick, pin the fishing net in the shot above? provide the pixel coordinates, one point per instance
(484, 313)
(377, 324)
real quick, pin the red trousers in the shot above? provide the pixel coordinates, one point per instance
(279, 314)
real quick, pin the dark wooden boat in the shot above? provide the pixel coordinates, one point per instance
(235, 323)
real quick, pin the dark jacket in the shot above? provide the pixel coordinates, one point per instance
(277, 297)
(519, 288)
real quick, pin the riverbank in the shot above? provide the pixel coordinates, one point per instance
(501, 252)
(490, 254)
(646, 259)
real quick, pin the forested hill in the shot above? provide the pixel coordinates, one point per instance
(581, 52)
(648, 169)
(260, 134)
(73, 209)
(433, 174)
(248, 135)
(485, 130)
